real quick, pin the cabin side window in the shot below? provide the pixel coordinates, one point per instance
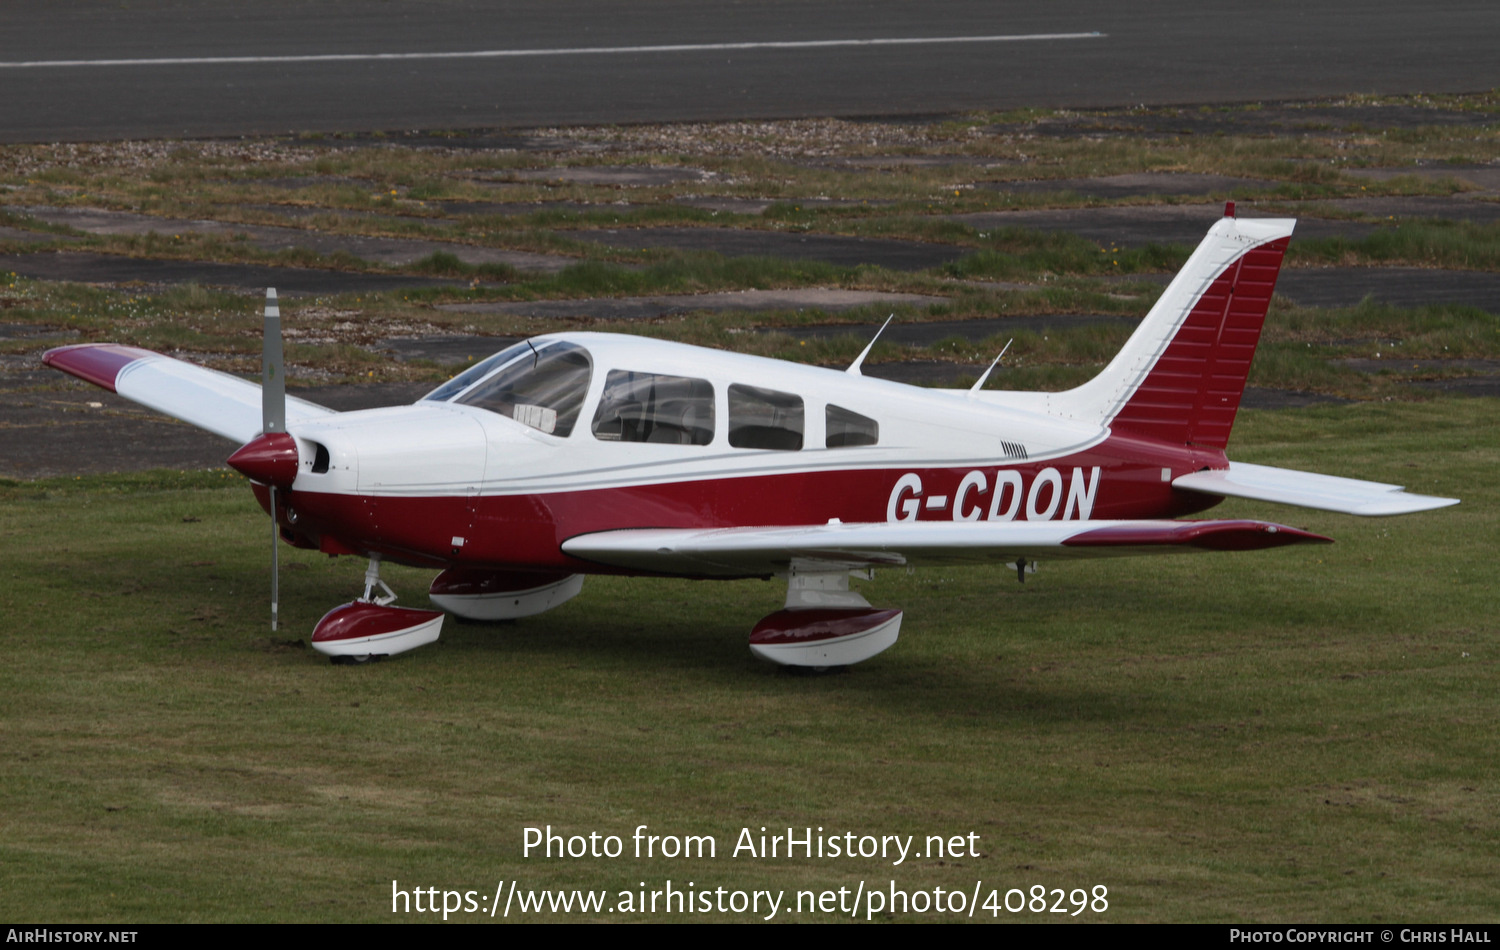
(847, 428)
(764, 419)
(543, 389)
(650, 407)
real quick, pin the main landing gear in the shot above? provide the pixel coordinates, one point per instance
(824, 623)
(370, 628)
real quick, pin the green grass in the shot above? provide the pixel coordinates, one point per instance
(1300, 735)
(1464, 245)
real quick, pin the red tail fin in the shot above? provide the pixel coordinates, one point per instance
(1193, 391)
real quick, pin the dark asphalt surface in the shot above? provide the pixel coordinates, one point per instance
(1164, 53)
(1397, 286)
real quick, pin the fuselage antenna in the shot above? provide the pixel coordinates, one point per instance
(980, 385)
(853, 369)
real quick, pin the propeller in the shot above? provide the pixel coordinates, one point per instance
(271, 457)
(273, 420)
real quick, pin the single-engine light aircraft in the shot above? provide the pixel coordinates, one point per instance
(592, 453)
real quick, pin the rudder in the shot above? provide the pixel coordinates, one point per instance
(1192, 393)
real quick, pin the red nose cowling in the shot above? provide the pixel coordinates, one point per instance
(270, 459)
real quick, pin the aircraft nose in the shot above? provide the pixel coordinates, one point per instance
(270, 459)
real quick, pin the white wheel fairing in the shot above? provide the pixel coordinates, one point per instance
(510, 604)
(852, 636)
(364, 629)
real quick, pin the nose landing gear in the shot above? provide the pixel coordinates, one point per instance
(370, 628)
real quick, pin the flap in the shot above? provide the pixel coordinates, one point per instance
(750, 552)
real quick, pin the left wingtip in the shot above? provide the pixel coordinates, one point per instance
(97, 363)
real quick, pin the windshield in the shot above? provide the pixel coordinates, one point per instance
(472, 375)
(543, 389)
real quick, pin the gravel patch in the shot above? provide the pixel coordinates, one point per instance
(630, 176)
(1457, 208)
(470, 208)
(929, 332)
(1479, 177)
(839, 251)
(137, 271)
(1260, 119)
(379, 250)
(637, 308)
(23, 236)
(1398, 364)
(1151, 224)
(1143, 184)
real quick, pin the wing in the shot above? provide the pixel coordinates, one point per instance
(751, 552)
(1350, 496)
(223, 404)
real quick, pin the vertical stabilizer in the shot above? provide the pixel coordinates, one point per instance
(1181, 375)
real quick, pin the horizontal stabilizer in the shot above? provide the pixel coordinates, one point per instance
(1349, 496)
(218, 402)
(749, 552)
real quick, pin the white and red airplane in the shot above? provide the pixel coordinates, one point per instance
(584, 453)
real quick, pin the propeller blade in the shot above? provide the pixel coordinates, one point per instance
(273, 419)
(272, 370)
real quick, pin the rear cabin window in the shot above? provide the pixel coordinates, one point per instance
(543, 389)
(650, 407)
(847, 428)
(764, 419)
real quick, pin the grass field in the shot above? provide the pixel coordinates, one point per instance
(1298, 735)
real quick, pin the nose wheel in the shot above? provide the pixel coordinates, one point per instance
(370, 628)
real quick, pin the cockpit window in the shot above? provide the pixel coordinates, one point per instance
(764, 419)
(648, 407)
(543, 389)
(476, 372)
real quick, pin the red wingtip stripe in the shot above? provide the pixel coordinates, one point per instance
(97, 363)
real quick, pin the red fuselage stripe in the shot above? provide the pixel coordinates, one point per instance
(527, 531)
